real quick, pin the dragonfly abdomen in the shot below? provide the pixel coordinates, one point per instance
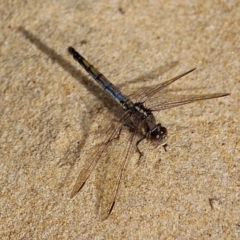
(113, 91)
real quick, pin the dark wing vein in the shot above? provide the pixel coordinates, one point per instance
(176, 101)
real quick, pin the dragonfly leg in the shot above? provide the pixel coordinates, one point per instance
(165, 147)
(138, 150)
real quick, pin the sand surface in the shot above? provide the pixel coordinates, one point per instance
(53, 116)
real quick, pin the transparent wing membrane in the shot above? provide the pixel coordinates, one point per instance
(116, 169)
(175, 101)
(91, 163)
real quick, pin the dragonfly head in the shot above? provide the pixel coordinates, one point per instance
(158, 134)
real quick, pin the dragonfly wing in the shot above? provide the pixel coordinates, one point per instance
(88, 168)
(116, 168)
(175, 101)
(150, 92)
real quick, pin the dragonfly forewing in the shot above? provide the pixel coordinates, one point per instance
(91, 164)
(170, 101)
(119, 156)
(144, 96)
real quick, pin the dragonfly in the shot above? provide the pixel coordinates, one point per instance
(139, 118)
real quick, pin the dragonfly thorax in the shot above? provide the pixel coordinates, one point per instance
(144, 121)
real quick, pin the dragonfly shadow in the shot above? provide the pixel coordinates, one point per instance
(154, 74)
(68, 67)
(91, 86)
(77, 74)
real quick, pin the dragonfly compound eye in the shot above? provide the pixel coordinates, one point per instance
(158, 133)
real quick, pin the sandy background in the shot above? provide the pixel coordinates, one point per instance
(48, 118)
